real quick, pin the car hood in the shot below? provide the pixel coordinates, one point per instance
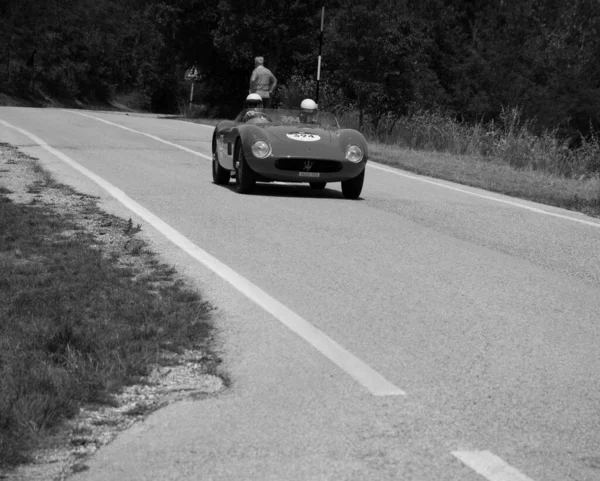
(299, 134)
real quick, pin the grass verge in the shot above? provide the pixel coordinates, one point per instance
(79, 321)
(577, 194)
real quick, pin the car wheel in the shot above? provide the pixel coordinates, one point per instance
(318, 185)
(220, 175)
(245, 180)
(353, 187)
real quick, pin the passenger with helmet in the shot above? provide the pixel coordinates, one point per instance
(254, 104)
(308, 112)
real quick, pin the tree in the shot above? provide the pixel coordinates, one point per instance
(377, 52)
(244, 31)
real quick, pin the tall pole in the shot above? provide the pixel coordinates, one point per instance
(320, 48)
(8, 59)
(192, 93)
(33, 73)
(31, 63)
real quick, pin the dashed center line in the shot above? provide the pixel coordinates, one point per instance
(490, 466)
(484, 463)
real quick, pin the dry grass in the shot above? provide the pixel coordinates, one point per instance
(579, 194)
(504, 156)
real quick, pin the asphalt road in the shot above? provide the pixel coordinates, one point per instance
(469, 321)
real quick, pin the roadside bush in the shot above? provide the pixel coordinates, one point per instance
(300, 87)
(588, 153)
(62, 80)
(21, 81)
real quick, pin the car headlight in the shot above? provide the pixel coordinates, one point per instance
(261, 149)
(354, 153)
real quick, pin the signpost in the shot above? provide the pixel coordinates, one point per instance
(193, 75)
(320, 48)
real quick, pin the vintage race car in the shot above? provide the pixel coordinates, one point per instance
(266, 145)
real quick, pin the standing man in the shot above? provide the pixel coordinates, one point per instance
(262, 81)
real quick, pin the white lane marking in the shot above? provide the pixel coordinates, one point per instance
(153, 137)
(490, 466)
(482, 196)
(360, 371)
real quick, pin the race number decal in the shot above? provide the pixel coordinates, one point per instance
(304, 137)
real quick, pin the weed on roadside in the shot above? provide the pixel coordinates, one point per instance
(130, 229)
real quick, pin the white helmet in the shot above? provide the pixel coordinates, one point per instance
(308, 104)
(253, 101)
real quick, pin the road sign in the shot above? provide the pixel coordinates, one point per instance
(191, 73)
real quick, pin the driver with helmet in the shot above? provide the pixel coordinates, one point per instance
(251, 104)
(253, 101)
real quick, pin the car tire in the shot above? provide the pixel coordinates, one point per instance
(220, 175)
(352, 188)
(318, 185)
(245, 180)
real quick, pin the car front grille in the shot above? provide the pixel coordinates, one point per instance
(308, 165)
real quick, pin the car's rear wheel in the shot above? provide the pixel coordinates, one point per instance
(245, 180)
(220, 175)
(318, 185)
(352, 188)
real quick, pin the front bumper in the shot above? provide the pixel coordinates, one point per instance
(295, 169)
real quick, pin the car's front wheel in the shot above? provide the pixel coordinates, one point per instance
(220, 175)
(245, 180)
(352, 188)
(318, 185)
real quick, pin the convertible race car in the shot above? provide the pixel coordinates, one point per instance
(266, 145)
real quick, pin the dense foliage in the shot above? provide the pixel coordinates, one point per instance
(381, 58)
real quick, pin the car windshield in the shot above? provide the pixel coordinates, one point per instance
(321, 119)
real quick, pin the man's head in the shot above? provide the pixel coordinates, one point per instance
(253, 101)
(259, 61)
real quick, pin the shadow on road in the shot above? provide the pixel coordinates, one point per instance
(291, 190)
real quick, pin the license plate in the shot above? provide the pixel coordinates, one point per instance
(309, 174)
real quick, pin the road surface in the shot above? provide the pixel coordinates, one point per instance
(428, 331)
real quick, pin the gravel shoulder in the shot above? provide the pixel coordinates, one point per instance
(191, 374)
